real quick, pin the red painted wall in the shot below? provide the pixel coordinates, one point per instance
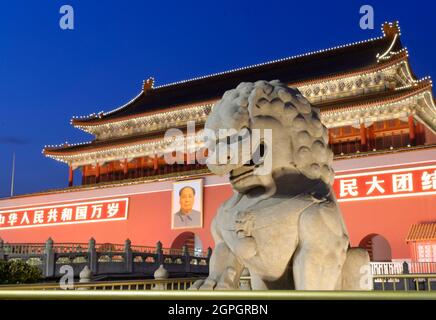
(149, 221)
(390, 218)
(149, 217)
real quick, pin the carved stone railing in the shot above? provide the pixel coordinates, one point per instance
(402, 267)
(387, 268)
(179, 284)
(106, 258)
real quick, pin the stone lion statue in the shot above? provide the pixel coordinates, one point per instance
(283, 224)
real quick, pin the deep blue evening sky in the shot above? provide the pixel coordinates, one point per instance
(48, 75)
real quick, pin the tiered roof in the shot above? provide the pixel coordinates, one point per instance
(307, 67)
(356, 77)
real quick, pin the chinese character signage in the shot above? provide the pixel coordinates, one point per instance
(386, 184)
(60, 214)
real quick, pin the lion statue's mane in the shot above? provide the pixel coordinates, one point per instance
(292, 236)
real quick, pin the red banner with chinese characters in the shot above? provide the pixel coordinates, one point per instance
(60, 214)
(381, 184)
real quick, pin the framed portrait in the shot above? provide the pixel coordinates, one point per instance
(187, 204)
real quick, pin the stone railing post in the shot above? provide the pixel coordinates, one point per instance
(2, 250)
(410, 282)
(159, 252)
(128, 256)
(187, 258)
(50, 263)
(405, 268)
(85, 276)
(92, 256)
(160, 274)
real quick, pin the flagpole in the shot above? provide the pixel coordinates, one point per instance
(13, 174)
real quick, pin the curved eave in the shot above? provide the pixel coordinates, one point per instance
(95, 146)
(60, 153)
(393, 96)
(90, 147)
(83, 120)
(423, 110)
(83, 125)
(380, 66)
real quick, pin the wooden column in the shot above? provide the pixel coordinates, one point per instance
(155, 164)
(138, 167)
(371, 137)
(70, 176)
(412, 132)
(330, 136)
(135, 168)
(113, 175)
(84, 175)
(108, 171)
(419, 134)
(363, 140)
(97, 173)
(125, 169)
(144, 166)
(187, 158)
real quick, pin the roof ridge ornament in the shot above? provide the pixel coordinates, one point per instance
(148, 84)
(390, 29)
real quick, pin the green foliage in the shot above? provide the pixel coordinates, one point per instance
(17, 271)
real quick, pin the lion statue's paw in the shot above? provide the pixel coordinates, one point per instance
(207, 284)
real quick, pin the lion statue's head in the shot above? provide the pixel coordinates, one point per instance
(289, 144)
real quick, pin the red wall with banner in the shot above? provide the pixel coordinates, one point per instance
(64, 214)
(148, 221)
(378, 201)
